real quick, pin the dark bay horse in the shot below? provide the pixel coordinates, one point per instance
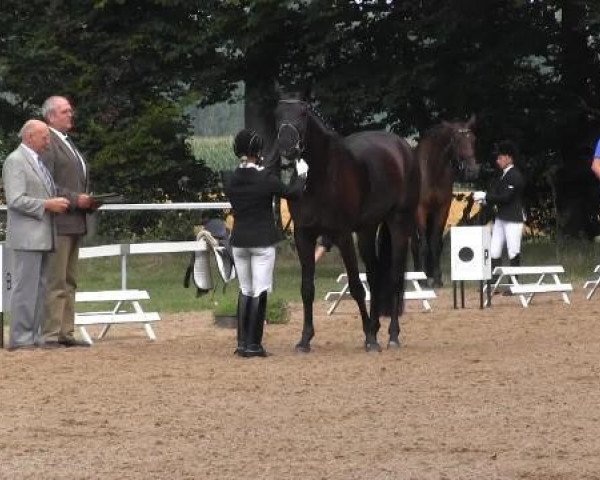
(366, 183)
(445, 154)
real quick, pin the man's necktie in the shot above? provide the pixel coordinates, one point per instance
(77, 154)
(47, 177)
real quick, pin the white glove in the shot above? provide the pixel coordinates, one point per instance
(301, 168)
(479, 196)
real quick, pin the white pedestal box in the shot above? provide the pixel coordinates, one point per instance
(470, 253)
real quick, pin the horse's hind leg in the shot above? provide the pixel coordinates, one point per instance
(346, 246)
(419, 241)
(400, 235)
(437, 243)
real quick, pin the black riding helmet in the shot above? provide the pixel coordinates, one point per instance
(507, 147)
(247, 143)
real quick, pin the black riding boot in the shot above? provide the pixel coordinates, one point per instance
(243, 308)
(254, 326)
(496, 262)
(516, 260)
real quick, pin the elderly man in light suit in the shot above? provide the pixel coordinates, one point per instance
(32, 203)
(71, 175)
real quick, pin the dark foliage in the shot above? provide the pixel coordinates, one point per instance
(528, 69)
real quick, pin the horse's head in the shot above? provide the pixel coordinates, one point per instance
(291, 118)
(463, 140)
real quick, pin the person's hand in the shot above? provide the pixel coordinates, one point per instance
(479, 196)
(94, 205)
(301, 168)
(56, 204)
(84, 201)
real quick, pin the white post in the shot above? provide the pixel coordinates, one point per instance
(124, 253)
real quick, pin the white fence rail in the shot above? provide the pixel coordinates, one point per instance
(125, 249)
(166, 206)
(160, 206)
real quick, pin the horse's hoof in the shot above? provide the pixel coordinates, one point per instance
(393, 345)
(303, 348)
(372, 347)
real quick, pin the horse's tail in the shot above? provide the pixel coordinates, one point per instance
(384, 266)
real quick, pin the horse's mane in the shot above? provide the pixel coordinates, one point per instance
(318, 118)
(437, 130)
(321, 121)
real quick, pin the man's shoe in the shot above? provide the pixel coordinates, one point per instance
(71, 342)
(14, 348)
(51, 345)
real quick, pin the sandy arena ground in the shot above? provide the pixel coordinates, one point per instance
(503, 393)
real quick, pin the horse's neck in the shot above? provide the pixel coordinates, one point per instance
(321, 142)
(439, 156)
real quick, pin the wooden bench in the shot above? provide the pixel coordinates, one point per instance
(413, 277)
(120, 299)
(509, 277)
(593, 284)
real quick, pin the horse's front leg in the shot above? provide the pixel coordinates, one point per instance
(305, 245)
(420, 243)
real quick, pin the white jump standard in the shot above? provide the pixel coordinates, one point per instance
(593, 283)
(118, 313)
(512, 278)
(412, 278)
(470, 260)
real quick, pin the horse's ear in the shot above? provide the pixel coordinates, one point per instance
(279, 92)
(307, 90)
(287, 92)
(472, 120)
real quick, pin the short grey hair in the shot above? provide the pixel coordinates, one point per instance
(50, 104)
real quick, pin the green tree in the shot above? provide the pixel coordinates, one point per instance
(125, 65)
(528, 69)
(247, 41)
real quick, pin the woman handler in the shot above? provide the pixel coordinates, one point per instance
(251, 190)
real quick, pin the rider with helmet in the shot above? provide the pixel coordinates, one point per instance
(251, 189)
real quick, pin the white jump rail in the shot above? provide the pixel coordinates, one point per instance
(512, 278)
(593, 283)
(413, 277)
(118, 314)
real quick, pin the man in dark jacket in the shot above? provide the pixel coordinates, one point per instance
(506, 195)
(70, 171)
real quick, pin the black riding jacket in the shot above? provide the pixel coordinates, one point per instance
(251, 191)
(507, 196)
